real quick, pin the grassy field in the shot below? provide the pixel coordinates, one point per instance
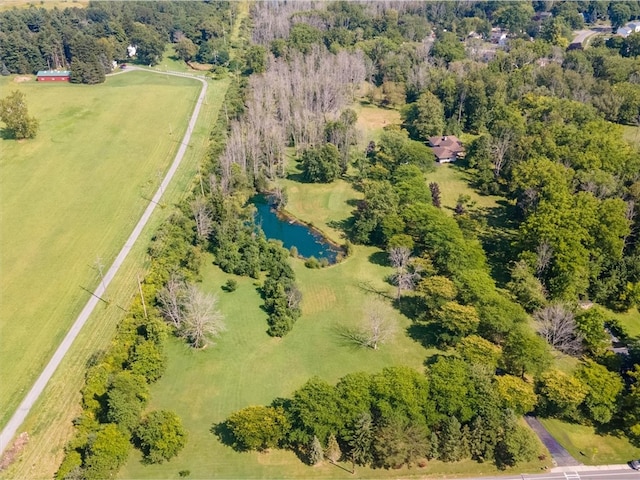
(586, 446)
(630, 320)
(79, 189)
(453, 182)
(372, 119)
(48, 4)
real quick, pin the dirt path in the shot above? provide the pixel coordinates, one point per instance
(11, 428)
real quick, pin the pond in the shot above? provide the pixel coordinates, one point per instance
(292, 233)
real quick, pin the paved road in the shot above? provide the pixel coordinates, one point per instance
(621, 472)
(557, 451)
(9, 431)
(581, 35)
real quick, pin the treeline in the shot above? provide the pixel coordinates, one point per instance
(395, 418)
(87, 40)
(117, 382)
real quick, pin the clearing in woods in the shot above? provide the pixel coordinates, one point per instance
(68, 200)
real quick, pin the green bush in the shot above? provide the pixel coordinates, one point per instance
(231, 285)
(312, 262)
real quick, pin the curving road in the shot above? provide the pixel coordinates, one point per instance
(9, 431)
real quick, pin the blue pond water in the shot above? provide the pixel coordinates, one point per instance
(292, 234)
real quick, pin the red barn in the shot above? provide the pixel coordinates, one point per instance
(53, 75)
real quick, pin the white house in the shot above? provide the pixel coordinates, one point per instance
(623, 31)
(131, 50)
(634, 26)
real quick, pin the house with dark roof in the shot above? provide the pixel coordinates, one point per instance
(446, 148)
(53, 76)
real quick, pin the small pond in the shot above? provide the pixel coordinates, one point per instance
(291, 233)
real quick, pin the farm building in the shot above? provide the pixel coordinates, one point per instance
(53, 76)
(446, 149)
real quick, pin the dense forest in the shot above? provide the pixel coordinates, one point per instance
(503, 294)
(87, 41)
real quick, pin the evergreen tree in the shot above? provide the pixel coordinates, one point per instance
(451, 441)
(361, 441)
(333, 452)
(436, 199)
(315, 451)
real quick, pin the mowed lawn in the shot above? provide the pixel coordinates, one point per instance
(70, 198)
(588, 447)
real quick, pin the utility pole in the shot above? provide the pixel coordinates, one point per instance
(99, 267)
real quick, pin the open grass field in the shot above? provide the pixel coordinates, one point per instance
(453, 182)
(48, 4)
(630, 320)
(586, 446)
(71, 197)
(104, 223)
(372, 120)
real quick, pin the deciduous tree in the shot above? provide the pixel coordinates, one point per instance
(15, 115)
(161, 436)
(258, 427)
(202, 320)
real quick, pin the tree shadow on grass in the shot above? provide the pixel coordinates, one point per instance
(225, 435)
(369, 288)
(348, 337)
(498, 238)
(6, 134)
(379, 258)
(297, 177)
(410, 306)
(424, 333)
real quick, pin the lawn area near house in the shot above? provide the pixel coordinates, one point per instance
(128, 161)
(586, 446)
(70, 198)
(454, 181)
(630, 320)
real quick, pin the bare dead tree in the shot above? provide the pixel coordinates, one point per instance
(407, 272)
(544, 255)
(171, 300)
(499, 148)
(203, 217)
(202, 320)
(294, 297)
(377, 328)
(556, 324)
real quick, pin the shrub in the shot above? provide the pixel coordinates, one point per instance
(312, 262)
(231, 285)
